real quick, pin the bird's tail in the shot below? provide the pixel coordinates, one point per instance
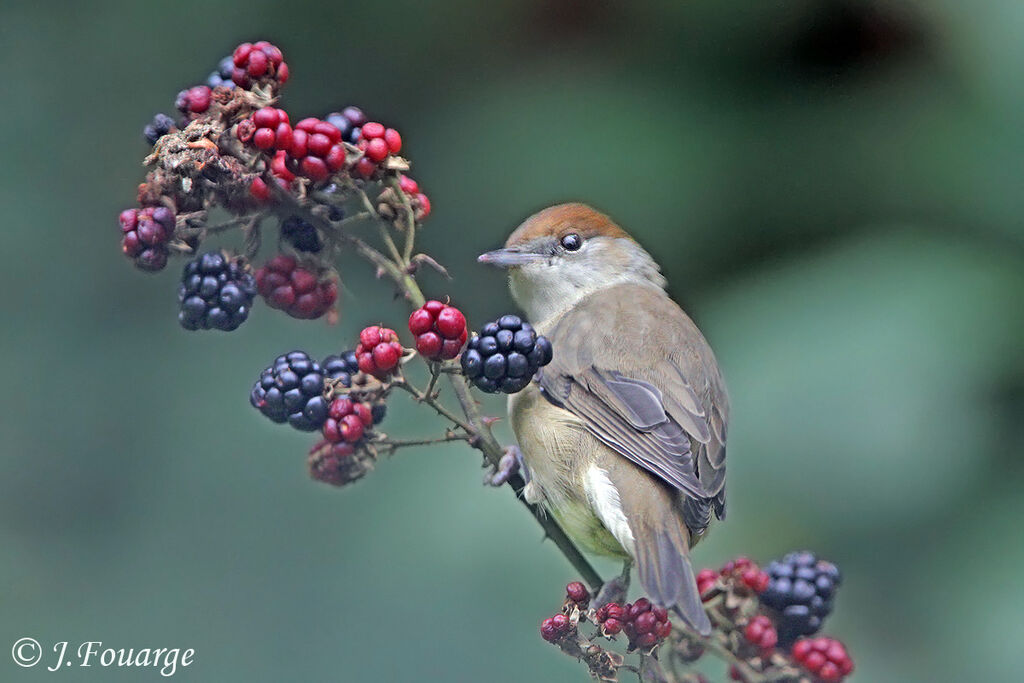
(663, 564)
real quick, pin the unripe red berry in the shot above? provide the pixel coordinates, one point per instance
(761, 633)
(706, 578)
(377, 149)
(393, 140)
(422, 206)
(372, 129)
(259, 190)
(378, 352)
(408, 185)
(258, 62)
(577, 592)
(193, 101)
(287, 286)
(440, 330)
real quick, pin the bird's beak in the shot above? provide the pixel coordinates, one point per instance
(509, 258)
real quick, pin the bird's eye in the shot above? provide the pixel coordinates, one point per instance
(572, 242)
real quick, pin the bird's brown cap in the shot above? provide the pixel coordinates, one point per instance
(561, 219)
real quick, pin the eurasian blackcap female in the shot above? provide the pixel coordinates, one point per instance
(624, 432)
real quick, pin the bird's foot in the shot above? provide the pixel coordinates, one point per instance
(615, 589)
(510, 463)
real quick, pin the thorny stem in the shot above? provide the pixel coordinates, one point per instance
(394, 444)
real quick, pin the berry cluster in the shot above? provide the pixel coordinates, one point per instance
(505, 355)
(145, 234)
(378, 352)
(337, 463)
(645, 624)
(554, 629)
(760, 632)
(292, 390)
(741, 572)
(216, 292)
(825, 658)
(376, 143)
(347, 420)
(440, 330)
(800, 593)
(315, 151)
(161, 125)
(297, 291)
(577, 593)
(233, 142)
(258, 63)
(611, 618)
(268, 128)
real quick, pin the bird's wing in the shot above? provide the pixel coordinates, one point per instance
(644, 381)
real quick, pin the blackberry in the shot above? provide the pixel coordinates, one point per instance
(301, 234)
(291, 390)
(222, 76)
(505, 355)
(161, 125)
(349, 120)
(341, 367)
(215, 293)
(800, 593)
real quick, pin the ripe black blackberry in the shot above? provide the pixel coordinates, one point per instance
(215, 293)
(222, 76)
(161, 125)
(800, 594)
(348, 121)
(291, 390)
(342, 367)
(505, 355)
(301, 234)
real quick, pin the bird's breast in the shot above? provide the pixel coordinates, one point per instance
(559, 453)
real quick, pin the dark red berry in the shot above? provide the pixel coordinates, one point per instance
(144, 236)
(336, 463)
(761, 633)
(825, 658)
(194, 101)
(706, 579)
(379, 351)
(258, 63)
(376, 143)
(347, 420)
(577, 592)
(259, 190)
(316, 150)
(269, 129)
(287, 286)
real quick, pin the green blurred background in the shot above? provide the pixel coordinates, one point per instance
(833, 189)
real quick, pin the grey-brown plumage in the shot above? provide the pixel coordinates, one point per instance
(624, 433)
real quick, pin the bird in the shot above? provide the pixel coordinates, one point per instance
(623, 433)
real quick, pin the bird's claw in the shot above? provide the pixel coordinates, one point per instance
(614, 589)
(511, 463)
